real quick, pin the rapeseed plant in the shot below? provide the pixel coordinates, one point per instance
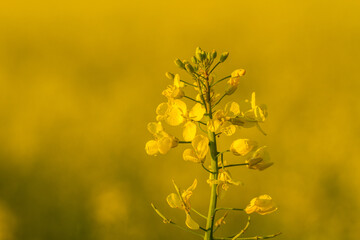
(203, 114)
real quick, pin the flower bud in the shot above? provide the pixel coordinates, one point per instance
(179, 63)
(208, 56)
(242, 147)
(213, 54)
(203, 55)
(198, 50)
(169, 75)
(224, 56)
(189, 68)
(230, 90)
(194, 60)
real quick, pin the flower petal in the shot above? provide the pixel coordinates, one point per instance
(155, 127)
(151, 147)
(174, 116)
(242, 147)
(228, 128)
(232, 109)
(190, 223)
(177, 82)
(190, 155)
(197, 112)
(174, 201)
(189, 131)
(165, 144)
(201, 146)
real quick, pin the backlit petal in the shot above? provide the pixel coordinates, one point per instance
(189, 131)
(151, 147)
(174, 201)
(190, 223)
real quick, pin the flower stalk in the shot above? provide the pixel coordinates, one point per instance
(214, 123)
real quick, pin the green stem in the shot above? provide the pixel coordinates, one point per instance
(214, 174)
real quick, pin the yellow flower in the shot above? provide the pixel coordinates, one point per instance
(256, 113)
(194, 115)
(234, 80)
(175, 91)
(175, 113)
(223, 182)
(200, 148)
(172, 112)
(163, 141)
(260, 159)
(182, 201)
(262, 205)
(223, 119)
(241, 147)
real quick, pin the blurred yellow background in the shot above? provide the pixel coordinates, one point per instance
(80, 80)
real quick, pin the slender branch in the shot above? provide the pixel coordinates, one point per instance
(260, 129)
(243, 230)
(184, 142)
(207, 169)
(223, 152)
(202, 122)
(198, 213)
(220, 80)
(251, 238)
(235, 165)
(165, 220)
(187, 83)
(219, 100)
(192, 99)
(201, 128)
(214, 67)
(232, 209)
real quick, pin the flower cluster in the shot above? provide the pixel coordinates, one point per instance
(202, 113)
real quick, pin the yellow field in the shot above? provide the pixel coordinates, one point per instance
(79, 81)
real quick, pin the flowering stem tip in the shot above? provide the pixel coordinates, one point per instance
(204, 112)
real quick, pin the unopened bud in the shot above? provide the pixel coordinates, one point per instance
(224, 56)
(213, 54)
(169, 75)
(194, 60)
(208, 56)
(198, 50)
(230, 90)
(189, 68)
(203, 55)
(179, 63)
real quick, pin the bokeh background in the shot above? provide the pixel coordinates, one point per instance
(80, 80)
